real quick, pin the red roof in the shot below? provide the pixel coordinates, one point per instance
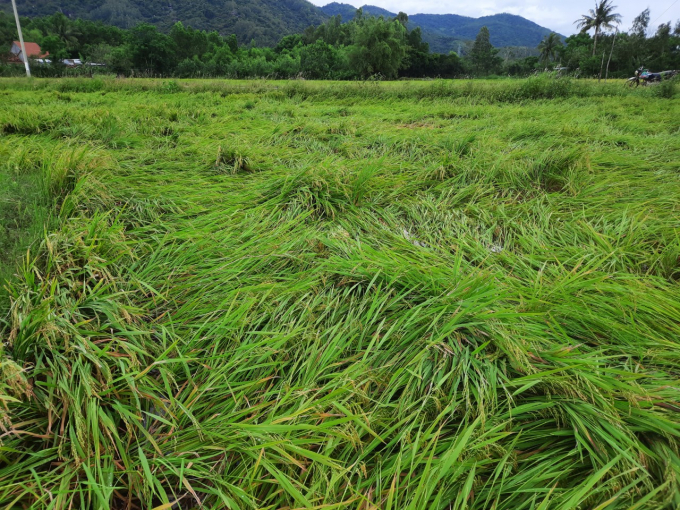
(32, 50)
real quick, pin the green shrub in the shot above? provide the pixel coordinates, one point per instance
(667, 89)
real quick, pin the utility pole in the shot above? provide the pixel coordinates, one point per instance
(599, 76)
(21, 39)
(610, 56)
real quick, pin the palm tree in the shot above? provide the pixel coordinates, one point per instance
(548, 47)
(603, 16)
(62, 27)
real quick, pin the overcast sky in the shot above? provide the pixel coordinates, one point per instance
(553, 14)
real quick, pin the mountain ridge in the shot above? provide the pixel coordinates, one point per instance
(445, 31)
(266, 21)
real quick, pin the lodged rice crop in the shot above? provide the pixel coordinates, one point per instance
(270, 295)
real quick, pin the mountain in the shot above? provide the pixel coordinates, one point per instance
(347, 11)
(264, 21)
(445, 31)
(505, 29)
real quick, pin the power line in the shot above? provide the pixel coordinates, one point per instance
(664, 12)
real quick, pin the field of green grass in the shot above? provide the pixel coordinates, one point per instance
(288, 295)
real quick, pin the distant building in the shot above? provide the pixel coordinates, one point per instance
(36, 54)
(32, 50)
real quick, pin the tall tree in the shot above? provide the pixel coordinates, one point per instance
(483, 56)
(603, 16)
(402, 18)
(152, 51)
(640, 24)
(188, 42)
(318, 60)
(380, 47)
(662, 38)
(549, 46)
(62, 27)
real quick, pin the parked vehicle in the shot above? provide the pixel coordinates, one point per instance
(644, 77)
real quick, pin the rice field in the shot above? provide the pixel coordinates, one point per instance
(299, 295)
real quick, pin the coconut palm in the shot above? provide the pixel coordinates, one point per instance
(548, 47)
(61, 27)
(603, 16)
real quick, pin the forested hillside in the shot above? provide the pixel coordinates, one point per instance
(505, 29)
(264, 21)
(347, 11)
(444, 31)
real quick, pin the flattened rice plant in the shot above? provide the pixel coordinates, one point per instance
(427, 296)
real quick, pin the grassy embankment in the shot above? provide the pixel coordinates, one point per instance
(302, 295)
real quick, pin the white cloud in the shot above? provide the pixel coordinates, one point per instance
(552, 14)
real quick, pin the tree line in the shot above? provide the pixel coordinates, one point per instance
(367, 47)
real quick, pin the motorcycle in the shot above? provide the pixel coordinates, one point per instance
(644, 77)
